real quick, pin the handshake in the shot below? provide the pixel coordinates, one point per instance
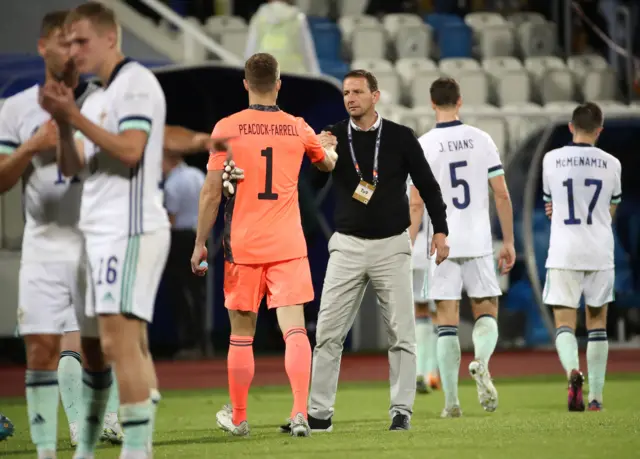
(230, 176)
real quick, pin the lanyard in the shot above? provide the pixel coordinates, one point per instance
(375, 153)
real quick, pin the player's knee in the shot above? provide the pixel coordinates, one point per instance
(93, 358)
(565, 316)
(484, 306)
(290, 317)
(596, 317)
(71, 342)
(243, 323)
(448, 312)
(422, 310)
(42, 351)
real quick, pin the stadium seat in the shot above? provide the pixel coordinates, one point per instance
(425, 119)
(235, 40)
(413, 41)
(393, 112)
(407, 68)
(327, 40)
(420, 85)
(521, 17)
(350, 7)
(455, 40)
(316, 20)
(599, 84)
(480, 20)
(348, 25)
(455, 66)
(559, 108)
(495, 126)
(496, 41)
(372, 65)
(511, 87)
(335, 68)
(474, 86)
(314, 7)
(613, 107)
(389, 85)
(556, 85)
(537, 39)
(537, 65)
(479, 110)
(368, 42)
(581, 63)
(497, 65)
(438, 21)
(522, 119)
(395, 22)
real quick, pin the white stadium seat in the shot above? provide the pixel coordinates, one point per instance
(390, 85)
(474, 86)
(348, 7)
(512, 87)
(413, 41)
(368, 42)
(556, 85)
(525, 16)
(235, 41)
(454, 66)
(498, 65)
(372, 65)
(537, 39)
(599, 84)
(480, 20)
(420, 96)
(348, 25)
(584, 62)
(479, 110)
(496, 40)
(408, 67)
(392, 112)
(395, 22)
(425, 119)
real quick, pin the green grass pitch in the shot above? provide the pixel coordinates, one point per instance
(531, 422)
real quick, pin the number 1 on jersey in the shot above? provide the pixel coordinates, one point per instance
(572, 220)
(268, 194)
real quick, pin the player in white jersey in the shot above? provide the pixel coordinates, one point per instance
(122, 218)
(50, 279)
(423, 266)
(465, 161)
(583, 183)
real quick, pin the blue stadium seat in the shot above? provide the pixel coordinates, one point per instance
(335, 68)
(455, 40)
(327, 39)
(315, 20)
(12, 82)
(438, 20)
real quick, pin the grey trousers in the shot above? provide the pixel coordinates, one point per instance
(353, 262)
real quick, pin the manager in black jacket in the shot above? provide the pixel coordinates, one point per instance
(371, 243)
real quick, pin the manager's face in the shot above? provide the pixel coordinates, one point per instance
(358, 98)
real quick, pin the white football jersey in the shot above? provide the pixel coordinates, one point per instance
(51, 201)
(120, 201)
(582, 181)
(463, 159)
(420, 250)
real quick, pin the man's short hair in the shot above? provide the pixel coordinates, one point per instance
(99, 15)
(445, 92)
(372, 81)
(262, 72)
(51, 22)
(587, 117)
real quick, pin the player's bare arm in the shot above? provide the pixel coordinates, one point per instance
(179, 140)
(210, 197)
(416, 212)
(430, 193)
(329, 143)
(127, 146)
(70, 151)
(612, 210)
(507, 257)
(14, 165)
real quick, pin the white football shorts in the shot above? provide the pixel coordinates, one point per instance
(477, 275)
(123, 277)
(49, 294)
(564, 287)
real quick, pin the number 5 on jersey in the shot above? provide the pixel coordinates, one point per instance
(457, 182)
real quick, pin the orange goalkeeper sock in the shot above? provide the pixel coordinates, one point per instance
(297, 362)
(241, 367)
